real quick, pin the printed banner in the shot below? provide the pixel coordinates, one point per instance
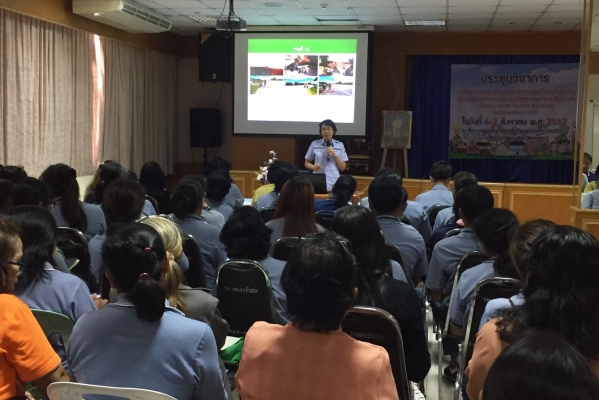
(513, 111)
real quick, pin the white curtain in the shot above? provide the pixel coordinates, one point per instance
(140, 96)
(46, 92)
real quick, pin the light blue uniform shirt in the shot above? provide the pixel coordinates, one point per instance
(267, 200)
(590, 200)
(409, 241)
(96, 224)
(461, 297)
(275, 269)
(316, 154)
(220, 207)
(415, 212)
(175, 355)
(439, 195)
(95, 254)
(211, 248)
(398, 272)
(446, 256)
(213, 218)
(62, 293)
(443, 217)
(277, 229)
(148, 209)
(234, 198)
(494, 306)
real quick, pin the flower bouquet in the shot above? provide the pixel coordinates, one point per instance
(263, 174)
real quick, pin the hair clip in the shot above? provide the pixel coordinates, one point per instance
(143, 274)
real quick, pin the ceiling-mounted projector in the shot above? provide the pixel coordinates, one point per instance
(231, 22)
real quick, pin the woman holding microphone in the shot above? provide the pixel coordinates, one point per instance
(326, 155)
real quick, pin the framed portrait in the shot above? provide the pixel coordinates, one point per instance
(397, 129)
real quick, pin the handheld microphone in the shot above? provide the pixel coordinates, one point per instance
(328, 144)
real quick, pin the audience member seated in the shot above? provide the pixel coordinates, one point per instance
(341, 194)
(5, 186)
(246, 237)
(561, 296)
(414, 211)
(472, 201)
(187, 202)
(234, 198)
(180, 356)
(460, 181)
(590, 200)
(439, 195)
(279, 175)
(493, 228)
(30, 191)
(68, 210)
(592, 185)
(379, 290)
(269, 185)
(586, 167)
(294, 215)
(122, 203)
(311, 358)
(387, 204)
(218, 185)
(541, 365)
(90, 190)
(209, 215)
(108, 172)
(152, 178)
(25, 354)
(13, 173)
(194, 303)
(40, 286)
(519, 249)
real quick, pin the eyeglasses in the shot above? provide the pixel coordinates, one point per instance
(18, 264)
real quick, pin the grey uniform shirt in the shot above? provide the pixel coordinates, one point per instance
(439, 195)
(462, 295)
(267, 200)
(277, 229)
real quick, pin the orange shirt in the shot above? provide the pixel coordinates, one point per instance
(487, 348)
(282, 362)
(24, 349)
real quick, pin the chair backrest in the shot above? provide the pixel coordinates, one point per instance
(405, 219)
(53, 322)
(73, 244)
(266, 213)
(468, 260)
(486, 290)
(77, 391)
(376, 326)
(245, 296)
(394, 254)
(453, 232)
(154, 203)
(325, 218)
(432, 213)
(194, 276)
(283, 248)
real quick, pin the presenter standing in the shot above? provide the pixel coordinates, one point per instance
(326, 155)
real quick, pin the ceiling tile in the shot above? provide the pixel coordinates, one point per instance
(425, 17)
(508, 23)
(566, 8)
(422, 3)
(317, 4)
(527, 2)
(470, 17)
(220, 4)
(516, 16)
(370, 3)
(178, 3)
(509, 28)
(539, 8)
(453, 3)
(285, 11)
(472, 10)
(331, 11)
(377, 11)
(422, 10)
(167, 11)
(380, 19)
(467, 28)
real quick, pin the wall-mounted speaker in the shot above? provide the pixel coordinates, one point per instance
(216, 59)
(204, 127)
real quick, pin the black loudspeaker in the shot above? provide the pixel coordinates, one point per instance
(216, 59)
(204, 127)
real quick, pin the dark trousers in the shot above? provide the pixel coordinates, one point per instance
(440, 315)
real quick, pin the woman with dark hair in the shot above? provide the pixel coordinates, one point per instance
(218, 185)
(279, 173)
(109, 172)
(209, 215)
(152, 179)
(40, 285)
(30, 191)
(187, 203)
(90, 195)
(13, 173)
(234, 198)
(122, 203)
(26, 354)
(377, 289)
(5, 186)
(541, 365)
(519, 250)
(326, 155)
(342, 192)
(494, 229)
(68, 210)
(180, 356)
(311, 358)
(439, 195)
(561, 296)
(246, 237)
(294, 215)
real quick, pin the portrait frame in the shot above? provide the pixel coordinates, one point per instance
(397, 130)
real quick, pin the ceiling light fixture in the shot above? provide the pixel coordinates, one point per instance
(425, 23)
(272, 5)
(202, 18)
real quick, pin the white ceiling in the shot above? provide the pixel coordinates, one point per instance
(460, 15)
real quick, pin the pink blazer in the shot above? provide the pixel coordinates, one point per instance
(282, 362)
